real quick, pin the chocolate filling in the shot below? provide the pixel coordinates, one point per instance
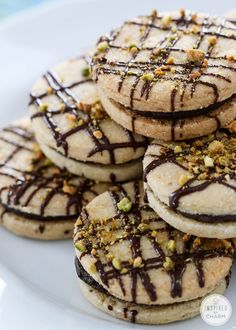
(39, 217)
(209, 218)
(86, 278)
(100, 164)
(183, 114)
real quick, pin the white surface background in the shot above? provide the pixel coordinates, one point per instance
(38, 285)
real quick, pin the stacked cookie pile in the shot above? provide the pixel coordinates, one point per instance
(151, 257)
(156, 98)
(70, 152)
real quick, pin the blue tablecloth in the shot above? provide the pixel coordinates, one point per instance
(8, 7)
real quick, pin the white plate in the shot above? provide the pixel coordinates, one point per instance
(38, 285)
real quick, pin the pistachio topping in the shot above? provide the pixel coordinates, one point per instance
(170, 246)
(208, 161)
(147, 77)
(116, 263)
(102, 46)
(212, 40)
(168, 264)
(195, 55)
(98, 134)
(207, 157)
(43, 107)
(124, 205)
(86, 71)
(137, 262)
(80, 245)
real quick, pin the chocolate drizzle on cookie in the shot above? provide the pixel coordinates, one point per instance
(195, 250)
(188, 74)
(220, 170)
(42, 175)
(84, 121)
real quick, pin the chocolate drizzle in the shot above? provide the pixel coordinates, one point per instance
(192, 185)
(42, 176)
(182, 70)
(190, 254)
(72, 105)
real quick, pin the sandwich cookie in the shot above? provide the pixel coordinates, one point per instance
(75, 132)
(169, 76)
(192, 184)
(136, 267)
(38, 199)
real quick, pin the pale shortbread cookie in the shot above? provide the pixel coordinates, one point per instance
(231, 15)
(192, 184)
(75, 132)
(137, 257)
(142, 313)
(171, 131)
(168, 70)
(38, 199)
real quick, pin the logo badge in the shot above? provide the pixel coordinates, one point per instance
(216, 309)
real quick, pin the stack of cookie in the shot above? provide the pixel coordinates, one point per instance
(151, 257)
(80, 152)
(158, 98)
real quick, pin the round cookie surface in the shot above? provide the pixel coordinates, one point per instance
(169, 70)
(145, 314)
(192, 184)
(75, 132)
(124, 248)
(38, 199)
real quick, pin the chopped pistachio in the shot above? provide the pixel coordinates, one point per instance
(124, 205)
(159, 72)
(86, 71)
(230, 58)
(223, 161)
(98, 134)
(208, 161)
(80, 245)
(178, 149)
(168, 264)
(116, 263)
(182, 12)
(49, 90)
(143, 227)
(170, 60)
(183, 179)
(166, 20)
(78, 222)
(171, 245)
(124, 270)
(216, 146)
(195, 75)
(195, 55)
(102, 46)
(147, 77)
(154, 13)
(212, 40)
(92, 268)
(137, 262)
(43, 107)
(68, 189)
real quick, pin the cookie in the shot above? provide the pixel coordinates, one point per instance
(191, 184)
(38, 199)
(169, 76)
(231, 16)
(137, 267)
(75, 132)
